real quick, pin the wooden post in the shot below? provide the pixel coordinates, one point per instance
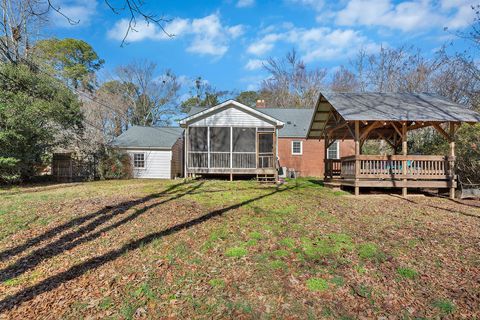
(404, 161)
(452, 161)
(186, 173)
(231, 153)
(275, 155)
(325, 156)
(357, 154)
(208, 147)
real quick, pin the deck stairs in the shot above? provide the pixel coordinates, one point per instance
(266, 178)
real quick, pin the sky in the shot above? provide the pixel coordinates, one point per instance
(226, 42)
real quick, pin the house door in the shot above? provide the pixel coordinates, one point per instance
(266, 154)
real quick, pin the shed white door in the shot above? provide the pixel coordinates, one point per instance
(157, 164)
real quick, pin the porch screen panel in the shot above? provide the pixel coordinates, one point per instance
(265, 143)
(198, 138)
(243, 140)
(220, 139)
(198, 147)
(219, 147)
(244, 149)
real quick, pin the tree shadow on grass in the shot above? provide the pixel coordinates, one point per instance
(82, 235)
(105, 214)
(95, 262)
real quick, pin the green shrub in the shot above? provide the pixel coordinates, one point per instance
(9, 171)
(115, 164)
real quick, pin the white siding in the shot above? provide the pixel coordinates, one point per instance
(231, 116)
(157, 164)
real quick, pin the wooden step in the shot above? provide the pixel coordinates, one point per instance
(266, 178)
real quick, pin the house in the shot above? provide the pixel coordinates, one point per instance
(388, 117)
(296, 154)
(156, 152)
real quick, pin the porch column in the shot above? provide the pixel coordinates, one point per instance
(404, 161)
(231, 153)
(186, 174)
(452, 161)
(325, 156)
(357, 154)
(208, 147)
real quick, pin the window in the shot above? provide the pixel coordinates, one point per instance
(139, 160)
(297, 147)
(333, 152)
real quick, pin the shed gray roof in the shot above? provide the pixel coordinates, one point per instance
(148, 137)
(296, 120)
(398, 107)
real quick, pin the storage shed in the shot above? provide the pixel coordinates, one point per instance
(155, 152)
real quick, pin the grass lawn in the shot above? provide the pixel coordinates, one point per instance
(216, 249)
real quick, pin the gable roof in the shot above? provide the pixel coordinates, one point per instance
(296, 120)
(408, 107)
(138, 137)
(399, 107)
(223, 105)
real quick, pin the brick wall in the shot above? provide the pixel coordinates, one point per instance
(310, 163)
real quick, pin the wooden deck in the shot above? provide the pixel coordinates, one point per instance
(241, 163)
(394, 171)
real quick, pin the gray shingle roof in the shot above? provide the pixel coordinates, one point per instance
(148, 137)
(296, 120)
(398, 107)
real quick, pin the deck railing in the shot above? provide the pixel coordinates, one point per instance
(227, 160)
(333, 168)
(397, 167)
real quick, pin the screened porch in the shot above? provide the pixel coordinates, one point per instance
(230, 150)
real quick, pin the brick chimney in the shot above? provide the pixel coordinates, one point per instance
(261, 104)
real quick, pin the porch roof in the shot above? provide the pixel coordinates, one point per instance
(389, 107)
(225, 104)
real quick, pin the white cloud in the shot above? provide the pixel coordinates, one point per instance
(315, 4)
(408, 16)
(245, 3)
(236, 31)
(254, 64)
(264, 45)
(316, 43)
(208, 35)
(76, 10)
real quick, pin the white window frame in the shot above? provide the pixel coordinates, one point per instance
(337, 144)
(144, 160)
(301, 148)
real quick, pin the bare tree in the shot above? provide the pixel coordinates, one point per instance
(343, 80)
(151, 100)
(290, 83)
(19, 18)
